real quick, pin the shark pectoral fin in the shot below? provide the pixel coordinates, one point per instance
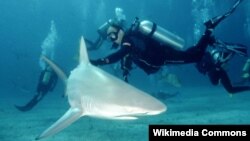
(68, 118)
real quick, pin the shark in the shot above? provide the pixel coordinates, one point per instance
(94, 92)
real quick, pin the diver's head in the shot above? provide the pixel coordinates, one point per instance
(113, 31)
(115, 35)
(103, 29)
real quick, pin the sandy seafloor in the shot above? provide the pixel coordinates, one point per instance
(204, 105)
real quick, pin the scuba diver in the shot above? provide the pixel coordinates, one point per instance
(213, 62)
(150, 47)
(47, 82)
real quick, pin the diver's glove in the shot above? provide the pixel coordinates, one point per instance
(99, 62)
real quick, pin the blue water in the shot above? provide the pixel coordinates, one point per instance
(25, 24)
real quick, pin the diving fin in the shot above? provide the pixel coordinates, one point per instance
(23, 108)
(212, 23)
(32, 103)
(237, 48)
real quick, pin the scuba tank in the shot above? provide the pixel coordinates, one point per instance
(246, 69)
(158, 33)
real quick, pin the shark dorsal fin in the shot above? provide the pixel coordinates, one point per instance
(83, 55)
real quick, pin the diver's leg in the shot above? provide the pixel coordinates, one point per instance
(212, 23)
(193, 54)
(214, 77)
(205, 40)
(199, 49)
(228, 86)
(173, 56)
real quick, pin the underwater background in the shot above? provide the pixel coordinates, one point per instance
(29, 27)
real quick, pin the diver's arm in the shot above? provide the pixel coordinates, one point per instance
(94, 45)
(113, 58)
(126, 66)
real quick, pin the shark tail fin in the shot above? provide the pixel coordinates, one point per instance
(83, 55)
(68, 118)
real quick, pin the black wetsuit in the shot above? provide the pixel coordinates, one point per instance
(151, 55)
(44, 88)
